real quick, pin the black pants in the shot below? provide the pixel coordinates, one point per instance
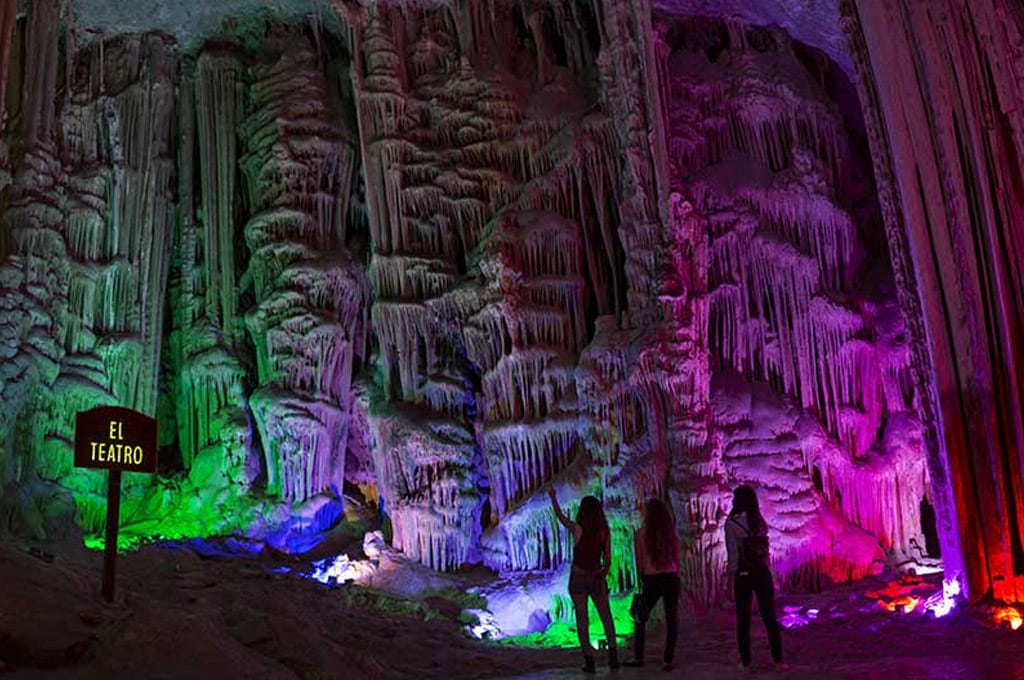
(593, 585)
(664, 587)
(744, 586)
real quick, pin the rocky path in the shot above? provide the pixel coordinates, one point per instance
(180, 615)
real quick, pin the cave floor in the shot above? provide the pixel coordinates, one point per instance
(180, 615)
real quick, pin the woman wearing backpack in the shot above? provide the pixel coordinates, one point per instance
(657, 563)
(746, 542)
(588, 578)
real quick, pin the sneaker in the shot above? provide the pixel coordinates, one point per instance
(633, 663)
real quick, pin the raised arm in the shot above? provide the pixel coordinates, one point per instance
(566, 522)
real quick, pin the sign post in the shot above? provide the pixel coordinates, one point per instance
(114, 439)
(110, 542)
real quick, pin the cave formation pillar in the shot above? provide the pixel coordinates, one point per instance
(8, 15)
(38, 115)
(941, 84)
(665, 250)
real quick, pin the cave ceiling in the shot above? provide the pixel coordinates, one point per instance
(189, 21)
(813, 22)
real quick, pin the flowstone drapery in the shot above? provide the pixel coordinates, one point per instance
(91, 218)
(514, 208)
(309, 323)
(215, 193)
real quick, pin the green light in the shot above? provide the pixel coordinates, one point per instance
(563, 635)
(169, 509)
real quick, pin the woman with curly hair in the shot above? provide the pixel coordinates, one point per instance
(657, 562)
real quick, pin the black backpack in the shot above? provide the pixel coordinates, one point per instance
(754, 552)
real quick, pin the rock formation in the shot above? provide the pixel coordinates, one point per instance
(445, 256)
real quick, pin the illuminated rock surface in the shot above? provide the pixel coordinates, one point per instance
(464, 254)
(414, 264)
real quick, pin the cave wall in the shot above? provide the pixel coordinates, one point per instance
(941, 85)
(90, 219)
(451, 257)
(178, 227)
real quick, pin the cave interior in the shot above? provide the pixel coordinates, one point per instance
(409, 265)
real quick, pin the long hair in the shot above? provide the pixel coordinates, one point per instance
(660, 539)
(744, 501)
(591, 518)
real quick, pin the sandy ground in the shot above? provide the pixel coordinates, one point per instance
(179, 615)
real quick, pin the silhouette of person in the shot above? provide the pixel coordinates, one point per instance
(750, 572)
(656, 547)
(588, 577)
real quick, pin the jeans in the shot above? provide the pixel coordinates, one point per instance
(663, 587)
(746, 585)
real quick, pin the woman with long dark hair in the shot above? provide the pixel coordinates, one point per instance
(588, 577)
(657, 562)
(746, 542)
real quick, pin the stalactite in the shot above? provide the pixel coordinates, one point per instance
(8, 17)
(38, 111)
(756, 141)
(426, 489)
(218, 109)
(398, 276)
(881, 490)
(211, 400)
(521, 457)
(34, 276)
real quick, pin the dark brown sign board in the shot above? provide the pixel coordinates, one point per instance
(115, 439)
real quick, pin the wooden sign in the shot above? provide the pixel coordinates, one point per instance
(114, 439)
